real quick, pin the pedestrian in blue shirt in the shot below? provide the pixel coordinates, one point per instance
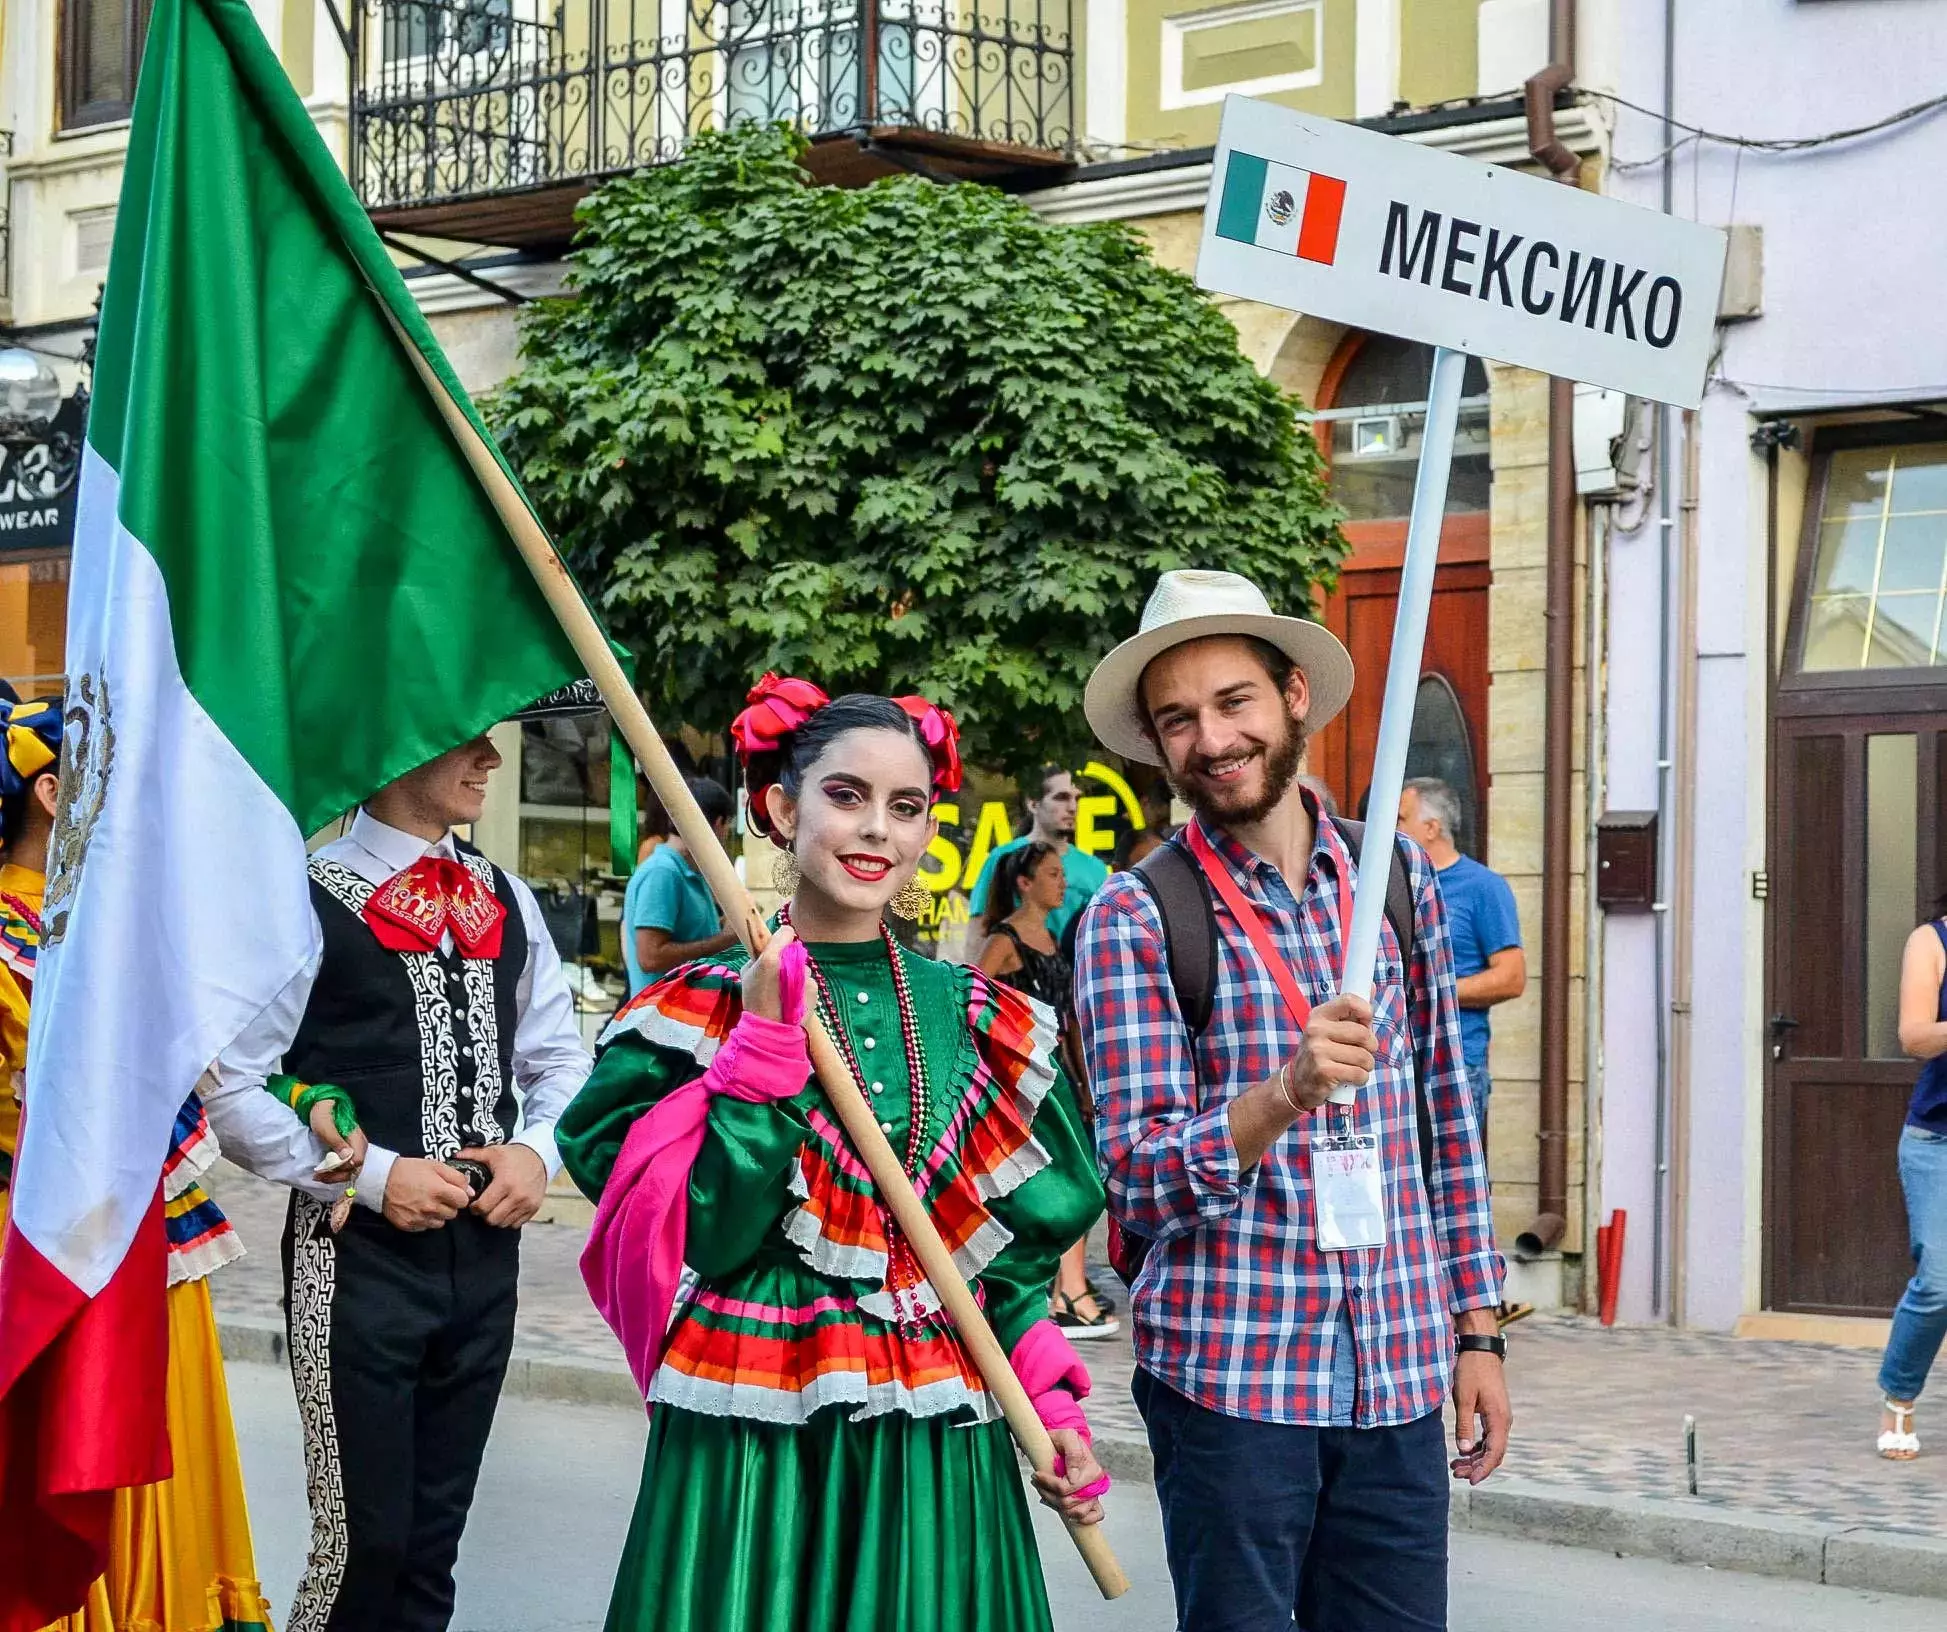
(668, 913)
(1488, 963)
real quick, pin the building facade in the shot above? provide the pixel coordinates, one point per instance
(1773, 681)
(1755, 644)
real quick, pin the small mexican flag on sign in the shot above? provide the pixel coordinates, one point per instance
(1282, 208)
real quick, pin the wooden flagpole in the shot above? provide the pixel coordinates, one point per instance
(740, 913)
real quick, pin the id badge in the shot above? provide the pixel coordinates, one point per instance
(1347, 1191)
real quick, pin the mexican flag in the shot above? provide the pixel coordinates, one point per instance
(287, 588)
(1280, 207)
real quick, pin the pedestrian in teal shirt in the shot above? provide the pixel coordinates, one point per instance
(668, 914)
(1051, 816)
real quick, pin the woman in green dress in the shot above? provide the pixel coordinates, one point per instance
(823, 1456)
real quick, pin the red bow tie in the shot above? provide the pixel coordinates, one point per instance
(413, 909)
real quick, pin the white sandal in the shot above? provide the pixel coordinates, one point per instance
(1899, 1443)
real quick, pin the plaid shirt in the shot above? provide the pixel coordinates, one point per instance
(1235, 1307)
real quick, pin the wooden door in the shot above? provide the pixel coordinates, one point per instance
(1857, 857)
(1856, 862)
(1361, 611)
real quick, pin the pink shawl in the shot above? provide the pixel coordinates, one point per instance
(633, 1262)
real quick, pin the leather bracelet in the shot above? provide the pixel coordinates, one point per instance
(1481, 1343)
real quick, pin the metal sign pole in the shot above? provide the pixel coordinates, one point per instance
(1403, 675)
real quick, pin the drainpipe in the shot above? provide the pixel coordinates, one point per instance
(1682, 843)
(1557, 814)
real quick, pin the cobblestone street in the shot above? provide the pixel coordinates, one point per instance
(1782, 1427)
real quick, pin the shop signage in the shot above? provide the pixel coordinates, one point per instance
(959, 852)
(1344, 223)
(38, 483)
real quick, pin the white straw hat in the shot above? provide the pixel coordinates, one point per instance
(1189, 606)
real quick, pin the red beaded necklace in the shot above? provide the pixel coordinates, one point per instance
(903, 1273)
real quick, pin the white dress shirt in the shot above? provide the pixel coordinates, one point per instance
(550, 1060)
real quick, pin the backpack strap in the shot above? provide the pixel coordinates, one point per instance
(1182, 896)
(1400, 914)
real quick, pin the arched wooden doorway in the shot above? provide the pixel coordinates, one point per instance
(1371, 411)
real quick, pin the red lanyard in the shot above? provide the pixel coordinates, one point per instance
(1252, 922)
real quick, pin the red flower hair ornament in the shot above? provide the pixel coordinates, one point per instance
(780, 705)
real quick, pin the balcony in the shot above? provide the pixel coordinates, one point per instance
(487, 120)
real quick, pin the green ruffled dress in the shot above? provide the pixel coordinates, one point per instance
(822, 1455)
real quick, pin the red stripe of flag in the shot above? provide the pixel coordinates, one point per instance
(1318, 228)
(82, 1415)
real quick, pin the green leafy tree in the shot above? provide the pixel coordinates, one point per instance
(901, 438)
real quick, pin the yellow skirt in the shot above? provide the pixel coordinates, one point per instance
(179, 1557)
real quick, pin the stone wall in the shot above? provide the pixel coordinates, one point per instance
(1517, 639)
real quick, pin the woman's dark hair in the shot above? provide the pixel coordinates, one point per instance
(1011, 872)
(797, 753)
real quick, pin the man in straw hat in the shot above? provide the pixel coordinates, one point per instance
(1316, 1276)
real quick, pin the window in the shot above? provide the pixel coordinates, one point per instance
(101, 49)
(803, 60)
(1440, 745)
(1878, 581)
(1253, 50)
(1373, 432)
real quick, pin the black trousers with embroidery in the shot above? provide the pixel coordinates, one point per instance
(399, 1343)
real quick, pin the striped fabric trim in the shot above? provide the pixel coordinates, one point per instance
(20, 935)
(985, 1148)
(201, 1240)
(192, 1149)
(691, 1012)
(778, 1364)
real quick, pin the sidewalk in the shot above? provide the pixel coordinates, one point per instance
(1784, 1430)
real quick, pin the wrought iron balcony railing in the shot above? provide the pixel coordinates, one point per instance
(458, 102)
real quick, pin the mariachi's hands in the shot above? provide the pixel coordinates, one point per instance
(1339, 1049)
(1080, 1470)
(520, 1184)
(763, 980)
(423, 1195)
(1483, 1417)
(349, 1149)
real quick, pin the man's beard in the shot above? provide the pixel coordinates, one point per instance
(1225, 809)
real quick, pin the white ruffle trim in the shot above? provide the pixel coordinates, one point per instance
(795, 1407)
(655, 1026)
(804, 1230)
(205, 1258)
(199, 1156)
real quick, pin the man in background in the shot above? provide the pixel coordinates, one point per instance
(1051, 817)
(668, 913)
(1488, 963)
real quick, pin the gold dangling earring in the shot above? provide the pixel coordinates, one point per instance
(786, 875)
(912, 900)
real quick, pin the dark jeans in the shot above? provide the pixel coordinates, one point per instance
(1346, 1526)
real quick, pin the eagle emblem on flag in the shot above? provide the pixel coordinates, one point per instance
(87, 753)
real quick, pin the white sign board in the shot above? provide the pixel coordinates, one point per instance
(1326, 218)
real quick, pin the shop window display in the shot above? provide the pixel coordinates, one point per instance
(565, 851)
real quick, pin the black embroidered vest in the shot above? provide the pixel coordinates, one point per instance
(422, 1041)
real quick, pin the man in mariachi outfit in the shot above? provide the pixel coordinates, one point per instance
(438, 1006)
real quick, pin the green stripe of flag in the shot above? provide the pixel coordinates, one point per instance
(1244, 180)
(344, 601)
